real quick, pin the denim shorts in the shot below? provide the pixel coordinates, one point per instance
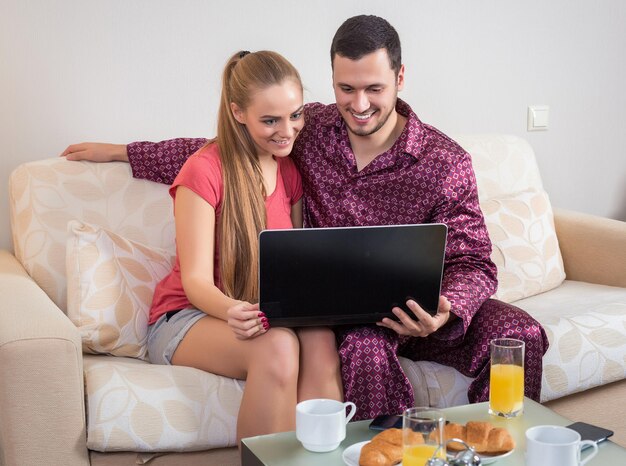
(165, 334)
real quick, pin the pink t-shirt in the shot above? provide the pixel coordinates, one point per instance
(202, 173)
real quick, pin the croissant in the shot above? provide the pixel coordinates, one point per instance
(385, 448)
(484, 437)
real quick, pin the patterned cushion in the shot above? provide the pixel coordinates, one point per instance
(136, 406)
(110, 283)
(525, 246)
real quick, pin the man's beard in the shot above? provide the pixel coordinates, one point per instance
(381, 123)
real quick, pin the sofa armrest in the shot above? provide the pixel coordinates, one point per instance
(593, 248)
(42, 406)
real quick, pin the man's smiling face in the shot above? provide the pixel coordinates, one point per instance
(366, 91)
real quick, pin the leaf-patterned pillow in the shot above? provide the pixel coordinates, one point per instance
(110, 283)
(525, 247)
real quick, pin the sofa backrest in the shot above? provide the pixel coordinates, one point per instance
(504, 164)
(44, 195)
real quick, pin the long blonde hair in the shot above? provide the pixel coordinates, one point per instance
(243, 208)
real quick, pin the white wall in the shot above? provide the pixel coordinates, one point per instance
(122, 70)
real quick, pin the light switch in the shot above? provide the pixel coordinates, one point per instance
(538, 117)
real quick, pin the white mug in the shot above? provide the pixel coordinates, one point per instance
(321, 423)
(556, 446)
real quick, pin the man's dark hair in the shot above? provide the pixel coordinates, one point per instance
(364, 34)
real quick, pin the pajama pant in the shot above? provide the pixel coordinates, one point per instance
(374, 381)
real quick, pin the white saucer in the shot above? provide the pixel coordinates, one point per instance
(488, 459)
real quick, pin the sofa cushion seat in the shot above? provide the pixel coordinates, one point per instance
(133, 405)
(586, 327)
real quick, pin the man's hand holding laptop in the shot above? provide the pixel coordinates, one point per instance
(425, 323)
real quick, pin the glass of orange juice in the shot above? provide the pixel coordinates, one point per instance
(422, 436)
(506, 386)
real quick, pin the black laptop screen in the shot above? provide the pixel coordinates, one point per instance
(331, 276)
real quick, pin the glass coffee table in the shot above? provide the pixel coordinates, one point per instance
(284, 449)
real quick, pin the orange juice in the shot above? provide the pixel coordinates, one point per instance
(417, 455)
(506, 388)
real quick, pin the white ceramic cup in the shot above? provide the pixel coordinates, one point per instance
(556, 446)
(321, 423)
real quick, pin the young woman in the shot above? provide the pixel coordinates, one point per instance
(203, 313)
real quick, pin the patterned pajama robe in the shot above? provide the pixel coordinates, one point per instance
(425, 177)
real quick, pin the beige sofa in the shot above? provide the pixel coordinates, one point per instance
(89, 241)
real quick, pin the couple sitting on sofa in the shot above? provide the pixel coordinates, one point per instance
(366, 160)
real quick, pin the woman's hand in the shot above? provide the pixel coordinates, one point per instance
(246, 321)
(426, 324)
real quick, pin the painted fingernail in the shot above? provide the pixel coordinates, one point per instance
(261, 314)
(263, 319)
(266, 325)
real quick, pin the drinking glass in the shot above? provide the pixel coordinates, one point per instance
(422, 436)
(506, 385)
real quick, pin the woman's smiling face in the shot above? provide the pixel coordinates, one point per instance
(274, 118)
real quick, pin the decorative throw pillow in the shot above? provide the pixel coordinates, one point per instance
(110, 283)
(525, 247)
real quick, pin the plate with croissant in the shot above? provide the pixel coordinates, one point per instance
(385, 449)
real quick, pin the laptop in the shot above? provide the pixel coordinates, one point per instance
(353, 275)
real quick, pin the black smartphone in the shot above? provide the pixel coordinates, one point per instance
(386, 421)
(591, 432)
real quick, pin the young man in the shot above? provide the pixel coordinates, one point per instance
(369, 160)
